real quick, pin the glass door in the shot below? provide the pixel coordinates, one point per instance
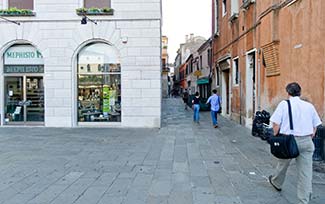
(24, 100)
(14, 96)
(34, 102)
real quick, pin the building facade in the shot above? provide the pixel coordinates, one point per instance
(165, 69)
(203, 70)
(80, 63)
(260, 46)
(184, 63)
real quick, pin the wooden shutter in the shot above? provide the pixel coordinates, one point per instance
(97, 3)
(271, 58)
(21, 4)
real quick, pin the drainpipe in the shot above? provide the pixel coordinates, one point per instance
(259, 82)
(240, 93)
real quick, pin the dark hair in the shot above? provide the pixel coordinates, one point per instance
(197, 94)
(214, 91)
(293, 89)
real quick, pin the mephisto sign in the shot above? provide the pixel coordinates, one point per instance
(23, 55)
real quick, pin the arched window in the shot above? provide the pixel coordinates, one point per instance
(99, 84)
(23, 85)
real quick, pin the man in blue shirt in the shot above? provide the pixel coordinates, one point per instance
(215, 102)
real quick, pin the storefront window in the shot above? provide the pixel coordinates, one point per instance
(23, 85)
(99, 84)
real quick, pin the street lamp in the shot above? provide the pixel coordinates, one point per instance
(84, 20)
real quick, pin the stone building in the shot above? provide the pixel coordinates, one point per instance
(80, 63)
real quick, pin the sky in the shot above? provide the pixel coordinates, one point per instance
(183, 17)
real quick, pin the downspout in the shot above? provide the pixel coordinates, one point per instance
(240, 96)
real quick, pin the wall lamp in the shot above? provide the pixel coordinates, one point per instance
(85, 19)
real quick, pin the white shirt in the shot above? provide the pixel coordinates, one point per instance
(304, 117)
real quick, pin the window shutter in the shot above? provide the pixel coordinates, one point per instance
(21, 4)
(97, 3)
(271, 58)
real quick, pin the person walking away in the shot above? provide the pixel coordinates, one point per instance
(196, 107)
(185, 98)
(215, 102)
(305, 121)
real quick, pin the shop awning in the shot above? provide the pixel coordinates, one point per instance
(202, 81)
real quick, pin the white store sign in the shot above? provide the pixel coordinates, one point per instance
(23, 55)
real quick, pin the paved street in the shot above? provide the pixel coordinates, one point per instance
(182, 163)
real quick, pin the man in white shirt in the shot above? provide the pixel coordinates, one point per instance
(305, 121)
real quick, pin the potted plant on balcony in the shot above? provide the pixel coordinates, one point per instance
(107, 10)
(16, 12)
(81, 11)
(95, 11)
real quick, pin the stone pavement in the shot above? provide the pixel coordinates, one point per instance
(181, 163)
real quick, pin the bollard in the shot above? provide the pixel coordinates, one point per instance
(319, 153)
(317, 156)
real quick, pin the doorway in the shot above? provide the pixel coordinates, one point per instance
(225, 91)
(24, 100)
(250, 87)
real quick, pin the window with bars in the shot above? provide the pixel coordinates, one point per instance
(21, 4)
(97, 3)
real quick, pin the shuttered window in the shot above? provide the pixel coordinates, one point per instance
(271, 58)
(21, 4)
(97, 3)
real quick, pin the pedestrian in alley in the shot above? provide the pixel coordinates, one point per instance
(196, 107)
(305, 120)
(215, 103)
(185, 98)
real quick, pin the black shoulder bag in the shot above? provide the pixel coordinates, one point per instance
(284, 146)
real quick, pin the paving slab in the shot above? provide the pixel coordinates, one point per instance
(182, 162)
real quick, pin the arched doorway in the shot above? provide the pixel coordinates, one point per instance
(23, 71)
(98, 84)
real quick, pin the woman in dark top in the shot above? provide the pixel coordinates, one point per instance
(196, 107)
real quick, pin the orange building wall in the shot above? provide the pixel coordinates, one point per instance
(300, 28)
(302, 58)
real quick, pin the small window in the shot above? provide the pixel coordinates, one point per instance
(97, 3)
(218, 75)
(224, 7)
(201, 62)
(234, 8)
(235, 72)
(216, 17)
(21, 4)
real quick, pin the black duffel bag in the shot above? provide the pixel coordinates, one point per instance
(284, 146)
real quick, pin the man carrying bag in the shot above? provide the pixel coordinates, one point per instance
(303, 127)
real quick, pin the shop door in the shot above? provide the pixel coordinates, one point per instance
(24, 100)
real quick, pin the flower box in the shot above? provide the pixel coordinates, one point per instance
(94, 11)
(16, 12)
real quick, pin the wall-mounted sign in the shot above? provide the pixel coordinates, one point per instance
(197, 73)
(23, 55)
(10, 69)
